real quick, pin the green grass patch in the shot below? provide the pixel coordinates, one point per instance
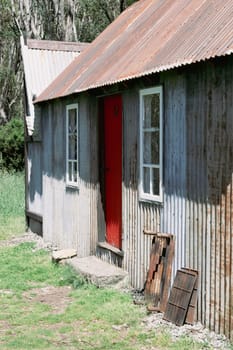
(12, 221)
(21, 267)
(93, 318)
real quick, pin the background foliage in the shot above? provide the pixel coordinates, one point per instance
(12, 145)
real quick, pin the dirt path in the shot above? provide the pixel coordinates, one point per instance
(26, 237)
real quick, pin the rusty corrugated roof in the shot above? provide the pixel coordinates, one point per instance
(148, 37)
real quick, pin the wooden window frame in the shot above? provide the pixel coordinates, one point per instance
(74, 181)
(144, 196)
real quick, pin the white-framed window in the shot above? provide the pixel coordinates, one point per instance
(72, 151)
(151, 144)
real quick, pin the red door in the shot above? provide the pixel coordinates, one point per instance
(113, 168)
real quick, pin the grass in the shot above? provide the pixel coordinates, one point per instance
(92, 318)
(12, 221)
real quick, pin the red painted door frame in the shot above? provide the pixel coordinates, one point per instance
(113, 168)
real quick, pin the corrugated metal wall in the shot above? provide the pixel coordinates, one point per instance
(198, 194)
(198, 165)
(68, 212)
(136, 215)
(173, 213)
(34, 178)
(209, 174)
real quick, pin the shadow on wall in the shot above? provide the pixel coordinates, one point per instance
(198, 146)
(48, 157)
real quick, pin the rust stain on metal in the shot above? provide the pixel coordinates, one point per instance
(149, 37)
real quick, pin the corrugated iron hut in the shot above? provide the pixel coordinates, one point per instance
(137, 136)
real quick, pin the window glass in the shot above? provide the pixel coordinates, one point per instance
(151, 111)
(151, 147)
(146, 180)
(70, 171)
(73, 147)
(72, 121)
(155, 181)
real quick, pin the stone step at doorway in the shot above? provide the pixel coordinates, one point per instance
(99, 272)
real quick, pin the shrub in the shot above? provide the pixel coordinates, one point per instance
(12, 145)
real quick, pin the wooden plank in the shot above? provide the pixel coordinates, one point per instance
(151, 281)
(159, 272)
(167, 273)
(180, 297)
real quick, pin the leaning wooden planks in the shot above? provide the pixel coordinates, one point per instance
(159, 274)
(182, 301)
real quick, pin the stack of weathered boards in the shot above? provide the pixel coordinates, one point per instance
(180, 307)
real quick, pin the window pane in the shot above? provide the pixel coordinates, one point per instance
(70, 171)
(155, 111)
(72, 121)
(155, 181)
(151, 111)
(147, 148)
(72, 147)
(151, 147)
(155, 148)
(75, 174)
(146, 180)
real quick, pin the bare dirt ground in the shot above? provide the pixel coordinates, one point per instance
(58, 299)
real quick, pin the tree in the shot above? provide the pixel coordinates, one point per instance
(69, 20)
(95, 15)
(12, 145)
(10, 66)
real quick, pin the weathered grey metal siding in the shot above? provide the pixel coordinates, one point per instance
(198, 193)
(140, 215)
(34, 178)
(210, 159)
(174, 164)
(137, 216)
(66, 211)
(198, 165)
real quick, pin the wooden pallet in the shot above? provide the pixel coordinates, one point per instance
(183, 297)
(159, 273)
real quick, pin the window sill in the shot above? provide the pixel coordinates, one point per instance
(72, 187)
(151, 200)
(108, 246)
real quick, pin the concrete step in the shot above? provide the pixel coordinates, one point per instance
(100, 272)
